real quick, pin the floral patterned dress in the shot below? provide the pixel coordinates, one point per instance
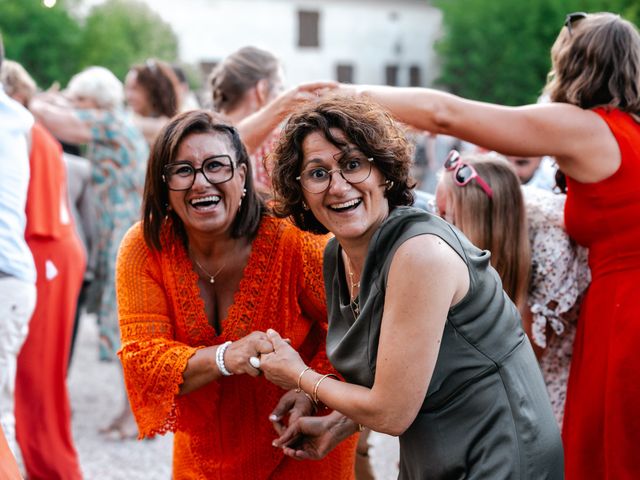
(118, 153)
(559, 277)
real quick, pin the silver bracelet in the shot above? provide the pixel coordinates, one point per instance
(220, 359)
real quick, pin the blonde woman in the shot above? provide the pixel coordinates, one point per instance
(480, 194)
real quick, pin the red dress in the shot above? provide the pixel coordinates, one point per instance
(43, 414)
(602, 424)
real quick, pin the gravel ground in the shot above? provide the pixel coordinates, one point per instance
(96, 394)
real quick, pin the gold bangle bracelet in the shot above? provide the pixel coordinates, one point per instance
(317, 385)
(299, 388)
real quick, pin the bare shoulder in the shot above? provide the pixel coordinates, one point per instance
(429, 261)
(580, 140)
(427, 250)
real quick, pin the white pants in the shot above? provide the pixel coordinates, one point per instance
(17, 301)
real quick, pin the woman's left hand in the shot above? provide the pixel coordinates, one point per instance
(283, 365)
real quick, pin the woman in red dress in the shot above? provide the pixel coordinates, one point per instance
(592, 129)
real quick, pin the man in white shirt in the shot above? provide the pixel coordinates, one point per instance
(17, 270)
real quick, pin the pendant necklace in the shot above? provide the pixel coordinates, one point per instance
(212, 278)
(354, 302)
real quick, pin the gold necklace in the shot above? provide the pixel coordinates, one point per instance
(354, 302)
(354, 285)
(212, 278)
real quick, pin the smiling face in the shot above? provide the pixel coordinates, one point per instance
(205, 208)
(352, 212)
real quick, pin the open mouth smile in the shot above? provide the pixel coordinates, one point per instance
(205, 202)
(346, 206)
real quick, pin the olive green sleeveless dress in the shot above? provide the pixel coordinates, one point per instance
(486, 414)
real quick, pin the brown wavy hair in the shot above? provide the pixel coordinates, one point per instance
(155, 201)
(240, 72)
(161, 84)
(364, 124)
(497, 224)
(597, 64)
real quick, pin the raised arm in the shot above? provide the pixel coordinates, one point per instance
(61, 120)
(255, 128)
(579, 139)
(412, 326)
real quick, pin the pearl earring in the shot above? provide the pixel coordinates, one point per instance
(244, 194)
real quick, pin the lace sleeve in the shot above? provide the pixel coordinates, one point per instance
(153, 362)
(559, 269)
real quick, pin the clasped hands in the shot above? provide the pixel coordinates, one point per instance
(301, 435)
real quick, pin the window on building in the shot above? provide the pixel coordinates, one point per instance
(391, 75)
(415, 79)
(344, 73)
(308, 31)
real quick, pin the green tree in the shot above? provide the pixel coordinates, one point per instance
(499, 50)
(44, 40)
(119, 33)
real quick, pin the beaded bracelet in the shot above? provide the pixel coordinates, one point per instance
(315, 388)
(220, 359)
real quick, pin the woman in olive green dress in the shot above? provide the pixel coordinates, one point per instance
(429, 344)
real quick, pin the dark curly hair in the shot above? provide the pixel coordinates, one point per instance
(155, 201)
(160, 82)
(364, 124)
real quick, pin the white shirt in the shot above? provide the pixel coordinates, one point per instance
(15, 124)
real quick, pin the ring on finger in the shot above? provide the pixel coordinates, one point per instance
(254, 362)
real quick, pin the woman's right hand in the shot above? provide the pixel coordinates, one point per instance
(237, 355)
(284, 365)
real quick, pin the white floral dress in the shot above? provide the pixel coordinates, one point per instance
(559, 277)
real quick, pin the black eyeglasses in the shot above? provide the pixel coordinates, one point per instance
(572, 18)
(182, 175)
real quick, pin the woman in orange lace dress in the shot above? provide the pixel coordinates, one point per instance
(199, 281)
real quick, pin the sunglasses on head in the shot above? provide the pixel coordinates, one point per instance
(463, 173)
(571, 18)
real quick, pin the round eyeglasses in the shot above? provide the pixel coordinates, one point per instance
(182, 175)
(355, 169)
(463, 173)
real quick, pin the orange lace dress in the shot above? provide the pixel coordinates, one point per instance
(221, 430)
